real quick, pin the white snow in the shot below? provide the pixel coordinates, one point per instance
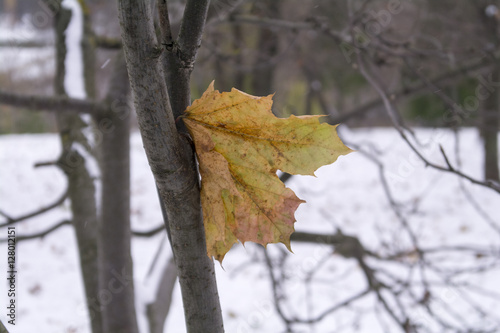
(73, 81)
(346, 195)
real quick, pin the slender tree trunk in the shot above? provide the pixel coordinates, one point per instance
(80, 183)
(490, 111)
(170, 156)
(238, 44)
(229, 74)
(489, 128)
(263, 75)
(116, 295)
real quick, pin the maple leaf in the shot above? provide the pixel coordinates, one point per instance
(240, 145)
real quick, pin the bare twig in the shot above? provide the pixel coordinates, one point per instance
(149, 233)
(39, 234)
(58, 202)
(396, 121)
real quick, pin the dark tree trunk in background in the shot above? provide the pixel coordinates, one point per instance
(267, 49)
(490, 109)
(108, 278)
(238, 45)
(81, 187)
(116, 270)
(230, 70)
(489, 127)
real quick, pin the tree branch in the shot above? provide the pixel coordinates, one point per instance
(149, 233)
(179, 59)
(445, 79)
(103, 42)
(191, 31)
(52, 104)
(42, 210)
(395, 118)
(25, 43)
(39, 234)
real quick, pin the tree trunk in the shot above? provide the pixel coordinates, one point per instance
(489, 128)
(81, 189)
(170, 156)
(116, 295)
(267, 49)
(490, 110)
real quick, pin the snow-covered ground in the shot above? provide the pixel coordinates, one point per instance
(346, 195)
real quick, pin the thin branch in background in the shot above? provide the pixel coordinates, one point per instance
(25, 44)
(223, 14)
(475, 65)
(346, 245)
(51, 104)
(270, 63)
(37, 212)
(41, 234)
(390, 197)
(443, 153)
(156, 257)
(275, 286)
(348, 301)
(477, 207)
(44, 164)
(495, 225)
(102, 42)
(149, 233)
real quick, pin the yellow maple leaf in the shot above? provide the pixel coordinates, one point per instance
(240, 145)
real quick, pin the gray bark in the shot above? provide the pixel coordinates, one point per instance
(81, 189)
(50, 103)
(116, 295)
(157, 311)
(171, 157)
(489, 127)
